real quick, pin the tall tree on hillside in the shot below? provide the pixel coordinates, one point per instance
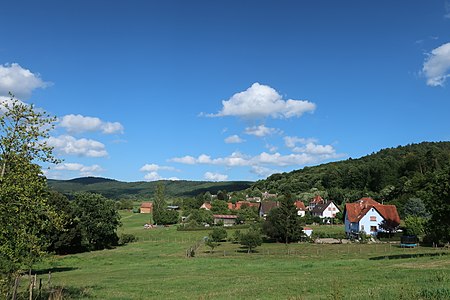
(24, 211)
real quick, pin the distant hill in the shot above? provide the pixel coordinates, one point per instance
(393, 174)
(143, 190)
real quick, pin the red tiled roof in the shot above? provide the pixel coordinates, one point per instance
(357, 210)
(147, 205)
(317, 199)
(231, 206)
(300, 205)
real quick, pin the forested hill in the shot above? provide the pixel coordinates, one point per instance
(142, 190)
(393, 174)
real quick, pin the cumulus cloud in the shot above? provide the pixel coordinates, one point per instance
(215, 176)
(291, 141)
(263, 171)
(261, 130)
(82, 147)
(84, 170)
(234, 139)
(236, 159)
(260, 101)
(19, 81)
(436, 67)
(309, 146)
(155, 168)
(154, 176)
(78, 123)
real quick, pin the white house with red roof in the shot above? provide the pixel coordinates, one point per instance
(366, 215)
(301, 208)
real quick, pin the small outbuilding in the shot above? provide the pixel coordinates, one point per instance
(227, 220)
(146, 208)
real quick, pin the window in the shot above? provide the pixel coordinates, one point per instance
(373, 218)
(373, 228)
(329, 208)
(334, 208)
(362, 227)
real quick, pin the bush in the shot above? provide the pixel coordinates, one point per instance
(126, 238)
(218, 234)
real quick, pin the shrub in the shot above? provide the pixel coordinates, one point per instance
(126, 238)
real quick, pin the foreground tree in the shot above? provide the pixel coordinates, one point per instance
(24, 211)
(251, 239)
(438, 227)
(283, 223)
(160, 213)
(98, 219)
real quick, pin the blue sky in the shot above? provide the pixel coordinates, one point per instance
(227, 90)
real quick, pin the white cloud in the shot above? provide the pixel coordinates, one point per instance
(263, 171)
(312, 148)
(155, 168)
(291, 141)
(189, 160)
(260, 101)
(437, 66)
(261, 130)
(308, 156)
(82, 147)
(215, 176)
(84, 170)
(154, 176)
(19, 81)
(78, 123)
(234, 139)
(234, 160)
(271, 148)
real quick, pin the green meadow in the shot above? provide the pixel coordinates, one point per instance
(156, 267)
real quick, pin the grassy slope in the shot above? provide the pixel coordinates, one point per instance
(155, 267)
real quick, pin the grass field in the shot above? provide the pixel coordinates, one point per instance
(156, 267)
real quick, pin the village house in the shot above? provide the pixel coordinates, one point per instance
(366, 215)
(267, 206)
(327, 209)
(301, 208)
(146, 208)
(226, 220)
(316, 200)
(206, 206)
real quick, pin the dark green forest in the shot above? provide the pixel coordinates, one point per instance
(141, 190)
(391, 175)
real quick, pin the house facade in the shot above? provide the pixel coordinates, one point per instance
(366, 215)
(325, 210)
(146, 208)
